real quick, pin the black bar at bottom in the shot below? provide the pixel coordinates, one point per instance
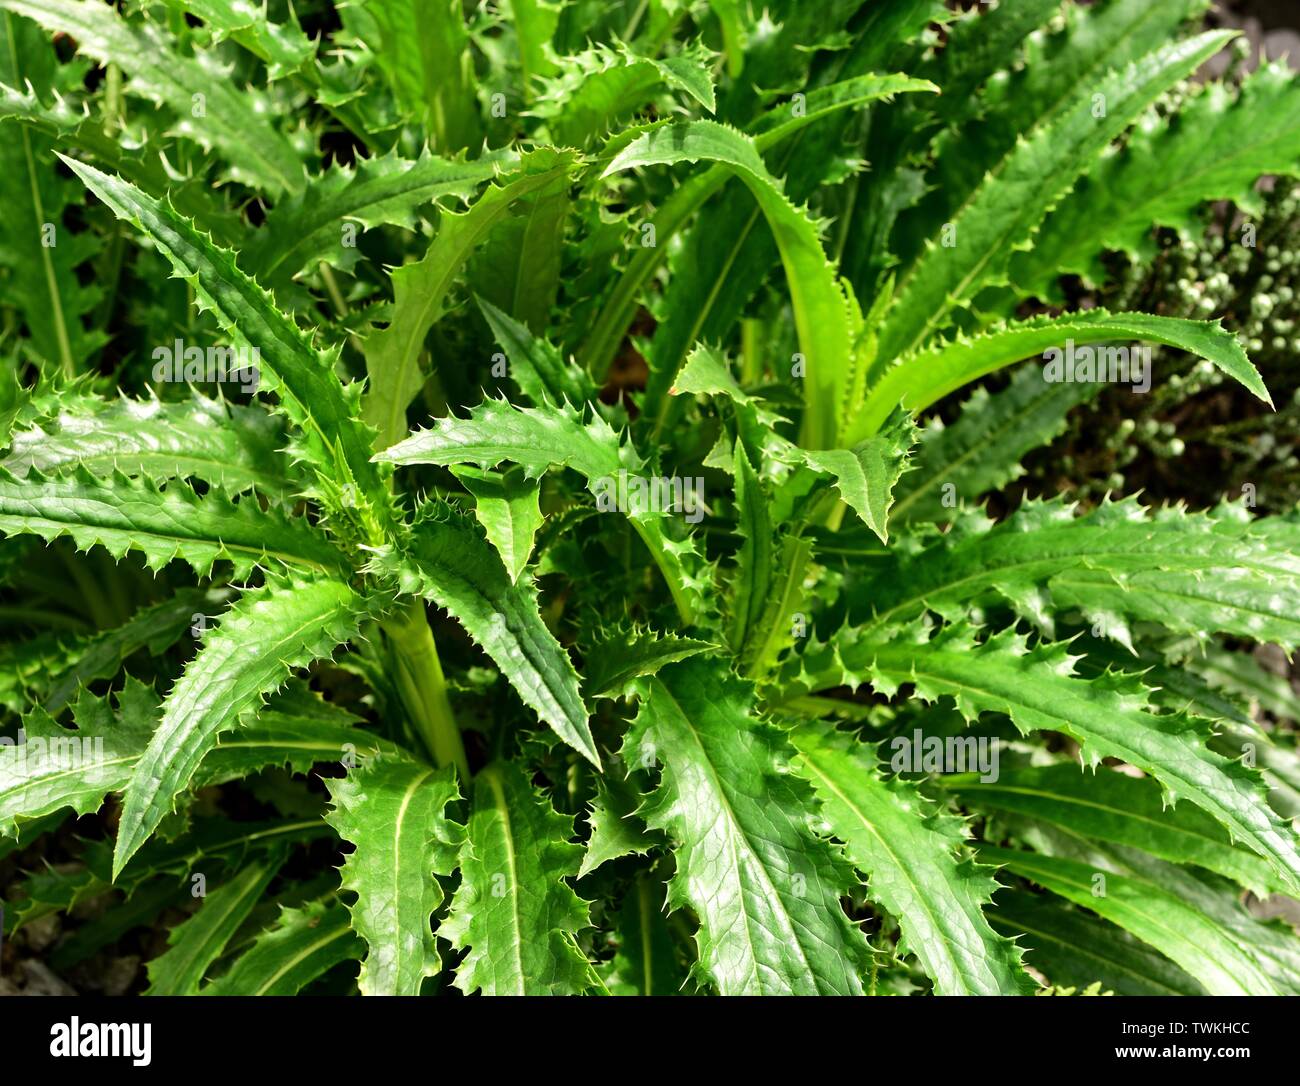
(338, 1036)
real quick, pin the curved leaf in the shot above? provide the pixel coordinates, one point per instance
(303, 945)
(514, 913)
(821, 310)
(1005, 210)
(765, 887)
(448, 561)
(260, 641)
(394, 811)
(920, 380)
(906, 846)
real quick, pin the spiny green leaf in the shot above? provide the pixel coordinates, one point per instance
(126, 153)
(984, 447)
(236, 448)
(260, 641)
(424, 51)
(101, 655)
(1114, 807)
(335, 443)
(1199, 945)
(537, 367)
(906, 845)
(520, 264)
(421, 290)
(211, 110)
(866, 474)
(1038, 82)
(616, 830)
(380, 191)
(550, 436)
(514, 913)
(1195, 573)
(1072, 947)
(394, 811)
(920, 380)
(161, 523)
(770, 129)
(281, 45)
(448, 561)
(755, 572)
(39, 253)
(506, 504)
(194, 944)
(1108, 716)
(626, 652)
(646, 961)
(537, 438)
(303, 945)
(603, 85)
(765, 887)
(56, 767)
(821, 310)
(1215, 147)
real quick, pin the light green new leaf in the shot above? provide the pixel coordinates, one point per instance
(393, 810)
(765, 887)
(821, 310)
(421, 290)
(514, 913)
(616, 829)
(506, 504)
(921, 379)
(550, 436)
(424, 52)
(866, 474)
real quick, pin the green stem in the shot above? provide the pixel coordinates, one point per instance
(417, 671)
(751, 361)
